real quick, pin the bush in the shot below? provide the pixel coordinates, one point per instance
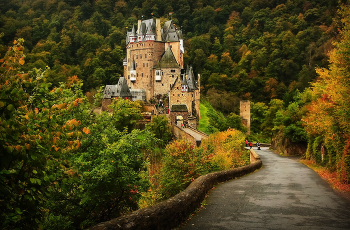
(182, 163)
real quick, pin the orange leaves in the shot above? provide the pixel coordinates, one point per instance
(21, 61)
(59, 106)
(18, 148)
(54, 139)
(78, 101)
(55, 147)
(72, 80)
(86, 130)
(70, 124)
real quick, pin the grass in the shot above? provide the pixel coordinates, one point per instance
(204, 121)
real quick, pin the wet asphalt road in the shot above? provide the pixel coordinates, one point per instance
(283, 194)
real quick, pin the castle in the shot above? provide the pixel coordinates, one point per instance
(154, 69)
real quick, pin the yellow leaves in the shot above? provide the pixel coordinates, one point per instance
(86, 130)
(21, 61)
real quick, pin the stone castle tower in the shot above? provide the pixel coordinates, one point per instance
(245, 114)
(154, 57)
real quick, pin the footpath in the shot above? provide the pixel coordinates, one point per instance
(283, 194)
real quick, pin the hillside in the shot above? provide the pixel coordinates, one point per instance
(257, 50)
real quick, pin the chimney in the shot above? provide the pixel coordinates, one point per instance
(158, 33)
(138, 26)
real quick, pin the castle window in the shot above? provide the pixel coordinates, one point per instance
(177, 100)
(182, 94)
(143, 64)
(137, 75)
(135, 64)
(174, 95)
(145, 55)
(140, 56)
(137, 56)
(178, 95)
(162, 84)
(173, 71)
(142, 75)
(128, 76)
(172, 75)
(147, 64)
(162, 73)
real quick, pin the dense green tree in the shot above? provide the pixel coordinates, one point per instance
(57, 153)
(161, 129)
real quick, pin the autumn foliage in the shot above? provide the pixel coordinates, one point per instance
(327, 120)
(182, 163)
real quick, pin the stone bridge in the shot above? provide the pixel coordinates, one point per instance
(190, 134)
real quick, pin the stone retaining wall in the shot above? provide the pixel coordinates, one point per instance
(174, 211)
(179, 133)
(254, 157)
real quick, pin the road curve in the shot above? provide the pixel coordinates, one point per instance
(283, 194)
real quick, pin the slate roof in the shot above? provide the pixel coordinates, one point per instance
(169, 33)
(168, 60)
(179, 108)
(119, 90)
(191, 79)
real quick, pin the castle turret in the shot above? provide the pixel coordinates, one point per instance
(132, 35)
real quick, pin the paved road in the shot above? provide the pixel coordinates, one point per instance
(283, 194)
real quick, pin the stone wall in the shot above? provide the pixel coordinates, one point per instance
(179, 133)
(168, 76)
(173, 116)
(105, 104)
(254, 157)
(192, 122)
(172, 212)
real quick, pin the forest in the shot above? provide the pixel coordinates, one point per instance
(58, 158)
